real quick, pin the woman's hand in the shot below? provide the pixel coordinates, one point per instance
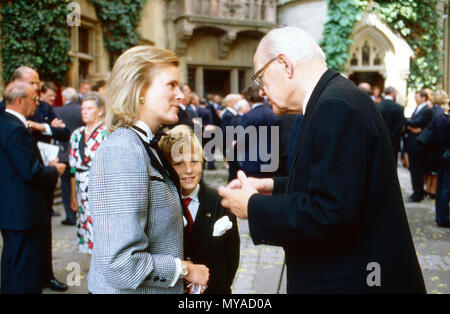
(197, 274)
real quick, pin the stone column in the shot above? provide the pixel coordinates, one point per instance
(248, 78)
(199, 83)
(73, 78)
(234, 80)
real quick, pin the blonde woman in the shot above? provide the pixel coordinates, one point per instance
(134, 197)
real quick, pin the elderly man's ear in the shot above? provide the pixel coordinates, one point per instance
(287, 65)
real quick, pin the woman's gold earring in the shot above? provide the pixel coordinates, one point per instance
(141, 100)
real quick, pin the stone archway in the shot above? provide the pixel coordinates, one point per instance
(377, 48)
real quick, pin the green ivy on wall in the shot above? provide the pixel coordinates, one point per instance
(418, 22)
(336, 42)
(119, 19)
(35, 33)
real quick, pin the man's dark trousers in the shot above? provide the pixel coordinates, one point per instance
(417, 169)
(19, 274)
(65, 189)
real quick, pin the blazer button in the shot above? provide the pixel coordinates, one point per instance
(156, 278)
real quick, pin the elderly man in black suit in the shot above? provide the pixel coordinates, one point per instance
(417, 152)
(229, 118)
(393, 117)
(24, 182)
(44, 127)
(339, 215)
(70, 114)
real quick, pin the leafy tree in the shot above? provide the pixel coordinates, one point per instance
(119, 19)
(35, 33)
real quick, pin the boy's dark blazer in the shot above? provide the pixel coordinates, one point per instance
(219, 254)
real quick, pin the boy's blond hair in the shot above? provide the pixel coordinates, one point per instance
(179, 139)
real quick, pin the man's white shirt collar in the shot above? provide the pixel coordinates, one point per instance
(141, 124)
(389, 97)
(420, 107)
(230, 110)
(183, 107)
(257, 105)
(309, 93)
(18, 115)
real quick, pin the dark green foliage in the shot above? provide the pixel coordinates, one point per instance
(341, 18)
(416, 21)
(119, 19)
(35, 33)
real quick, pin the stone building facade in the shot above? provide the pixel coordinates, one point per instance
(216, 40)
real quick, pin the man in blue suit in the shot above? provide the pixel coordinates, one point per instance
(45, 127)
(23, 187)
(229, 117)
(70, 114)
(260, 115)
(416, 152)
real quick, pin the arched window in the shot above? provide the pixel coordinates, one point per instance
(366, 53)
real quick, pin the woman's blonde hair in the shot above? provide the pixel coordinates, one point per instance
(178, 141)
(131, 76)
(440, 97)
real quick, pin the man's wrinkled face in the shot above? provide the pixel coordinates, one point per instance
(30, 102)
(271, 82)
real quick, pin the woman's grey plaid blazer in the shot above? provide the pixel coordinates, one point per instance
(137, 220)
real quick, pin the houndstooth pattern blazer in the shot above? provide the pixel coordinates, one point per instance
(137, 220)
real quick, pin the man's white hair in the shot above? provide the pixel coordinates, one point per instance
(70, 94)
(294, 42)
(241, 104)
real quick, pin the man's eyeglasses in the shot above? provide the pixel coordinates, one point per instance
(257, 76)
(33, 99)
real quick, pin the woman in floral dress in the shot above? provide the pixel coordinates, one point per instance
(84, 142)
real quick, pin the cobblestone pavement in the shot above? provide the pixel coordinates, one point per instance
(261, 266)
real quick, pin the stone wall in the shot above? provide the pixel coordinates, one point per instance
(309, 15)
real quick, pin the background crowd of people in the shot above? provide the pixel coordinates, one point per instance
(421, 142)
